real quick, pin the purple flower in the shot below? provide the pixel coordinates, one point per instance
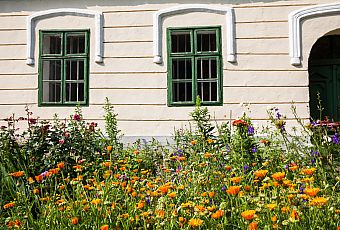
(250, 130)
(178, 168)
(254, 149)
(313, 161)
(227, 148)
(315, 153)
(286, 166)
(224, 188)
(335, 139)
(148, 200)
(245, 168)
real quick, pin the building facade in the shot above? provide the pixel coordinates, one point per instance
(153, 58)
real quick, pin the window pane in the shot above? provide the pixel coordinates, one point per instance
(182, 91)
(180, 42)
(51, 92)
(75, 70)
(206, 40)
(75, 43)
(52, 44)
(51, 70)
(181, 69)
(207, 91)
(74, 92)
(207, 68)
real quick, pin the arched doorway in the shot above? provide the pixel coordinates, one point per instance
(324, 78)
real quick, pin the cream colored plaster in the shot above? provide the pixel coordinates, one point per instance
(13, 37)
(138, 18)
(18, 96)
(263, 46)
(262, 30)
(128, 34)
(16, 67)
(128, 49)
(13, 52)
(10, 22)
(18, 82)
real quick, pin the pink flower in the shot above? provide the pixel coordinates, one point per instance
(61, 141)
(76, 117)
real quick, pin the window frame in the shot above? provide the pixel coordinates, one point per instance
(64, 57)
(194, 55)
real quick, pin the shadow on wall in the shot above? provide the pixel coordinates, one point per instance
(9, 6)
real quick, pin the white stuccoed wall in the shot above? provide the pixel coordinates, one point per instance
(137, 87)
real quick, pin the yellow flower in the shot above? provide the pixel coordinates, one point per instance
(248, 214)
(207, 155)
(107, 163)
(160, 213)
(195, 222)
(278, 176)
(36, 191)
(271, 207)
(210, 140)
(172, 195)
(199, 208)
(96, 201)
(235, 180)
(318, 201)
(274, 218)
(294, 215)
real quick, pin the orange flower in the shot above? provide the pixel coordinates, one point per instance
(195, 222)
(211, 194)
(284, 209)
(9, 205)
(140, 204)
(182, 220)
(239, 123)
(294, 215)
(54, 171)
(164, 188)
(199, 208)
(233, 190)
(17, 174)
(74, 220)
(235, 180)
(193, 142)
(109, 148)
(253, 226)
(217, 214)
(265, 142)
(260, 173)
(107, 163)
(160, 213)
(294, 167)
(274, 218)
(248, 214)
(309, 171)
(311, 191)
(278, 176)
(247, 188)
(60, 165)
(136, 152)
(318, 201)
(207, 155)
(36, 191)
(210, 141)
(104, 227)
(172, 195)
(228, 167)
(96, 201)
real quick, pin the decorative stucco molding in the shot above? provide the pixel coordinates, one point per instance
(295, 18)
(158, 30)
(31, 21)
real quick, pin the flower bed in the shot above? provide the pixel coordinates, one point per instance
(71, 176)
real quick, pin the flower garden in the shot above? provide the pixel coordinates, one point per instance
(71, 175)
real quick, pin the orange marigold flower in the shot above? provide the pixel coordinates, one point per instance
(109, 148)
(274, 218)
(228, 167)
(211, 194)
(9, 205)
(160, 213)
(77, 167)
(260, 173)
(107, 163)
(217, 214)
(60, 165)
(36, 191)
(265, 142)
(294, 215)
(210, 140)
(54, 171)
(17, 174)
(294, 168)
(318, 201)
(233, 190)
(193, 142)
(309, 171)
(284, 209)
(104, 227)
(136, 152)
(247, 188)
(96, 201)
(271, 207)
(207, 155)
(200, 208)
(311, 191)
(275, 183)
(164, 188)
(182, 219)
(235, 180)
(239, 123)
(248, 214)
(253, 226)
(195, 222)
(140, 204)
(337, 211)
(172, 195)
(74, 220)
(278, 176)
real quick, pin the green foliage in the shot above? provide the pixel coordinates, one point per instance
(111, 126)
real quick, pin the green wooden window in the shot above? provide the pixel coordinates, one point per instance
(63, 68)
(194, 66)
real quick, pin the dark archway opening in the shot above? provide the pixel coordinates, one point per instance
(324, 78)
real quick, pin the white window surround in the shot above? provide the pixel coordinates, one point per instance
(31, 21)
(295, 18)
(158, 24)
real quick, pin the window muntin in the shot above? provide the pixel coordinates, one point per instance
(63, 67)
(194, 66)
